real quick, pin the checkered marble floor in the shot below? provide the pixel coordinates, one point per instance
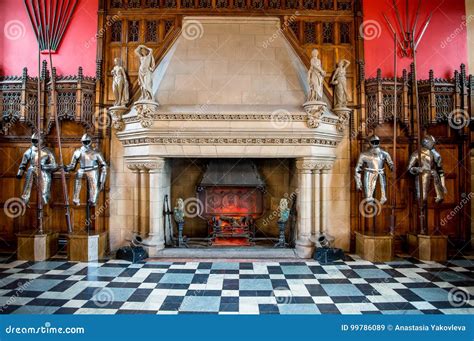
(355, 286)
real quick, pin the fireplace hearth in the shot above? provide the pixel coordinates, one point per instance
(232, 197)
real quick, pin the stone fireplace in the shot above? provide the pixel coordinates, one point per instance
(229, 95)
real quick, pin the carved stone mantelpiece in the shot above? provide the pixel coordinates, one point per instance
(145, 110)
(315, 110)
(116, 114)
(343, 115)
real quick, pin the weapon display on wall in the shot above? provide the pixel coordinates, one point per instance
(49, 20)
(411, 38)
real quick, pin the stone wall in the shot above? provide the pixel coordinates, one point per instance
(231, 64)
(122, 191)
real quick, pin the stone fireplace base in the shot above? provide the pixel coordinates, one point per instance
(154, 183)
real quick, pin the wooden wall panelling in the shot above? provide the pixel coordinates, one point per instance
(76, 113)
(438, 99)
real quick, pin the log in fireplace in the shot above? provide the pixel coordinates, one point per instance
(232, 194)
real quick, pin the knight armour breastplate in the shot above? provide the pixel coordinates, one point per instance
(88, 159)
(34, 157)
(375, 160)
(426, 160)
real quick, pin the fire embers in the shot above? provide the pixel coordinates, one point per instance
(228, 230)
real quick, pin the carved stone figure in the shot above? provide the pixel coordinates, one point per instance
(120, 84)
(430, 167)
(145, 72)
(178, 212)
(316, 76)
(339, 81)
(371, 163)
(284, 211)
(47, 166)
(92, 165)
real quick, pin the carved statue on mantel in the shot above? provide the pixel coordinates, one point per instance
(120, 84)
(146, 105)
(314, 105)
(341, 95)
(430, 167)
(145, 72)
(371, 164)
(339, 81)
(120, 89)
(316, 76)
(47, 167)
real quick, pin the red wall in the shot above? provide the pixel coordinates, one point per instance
(434, 52)
(18, 46)
(78, 47)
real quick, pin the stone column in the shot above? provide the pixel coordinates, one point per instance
(143, 207)
(316, 232)
(304, 245)
(324, 196)
(158, 188)
(153, 182)
(136, 197)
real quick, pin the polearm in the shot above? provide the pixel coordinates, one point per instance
(58, 135)
(409, 37)
(39, 180)
(414, 46)
(43, 24)
(394, 153)
(395, 103)
(418, 137)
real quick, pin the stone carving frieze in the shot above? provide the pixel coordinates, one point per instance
(227, 140)
(237, 116)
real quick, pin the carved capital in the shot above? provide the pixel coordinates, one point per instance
(152, 165)
(309, 164)
(324, 165)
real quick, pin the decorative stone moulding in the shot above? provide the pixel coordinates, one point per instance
(145, 164)
(116, 114)
(343, 115)
(145, 110)
(314, 164)
(315, 110)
